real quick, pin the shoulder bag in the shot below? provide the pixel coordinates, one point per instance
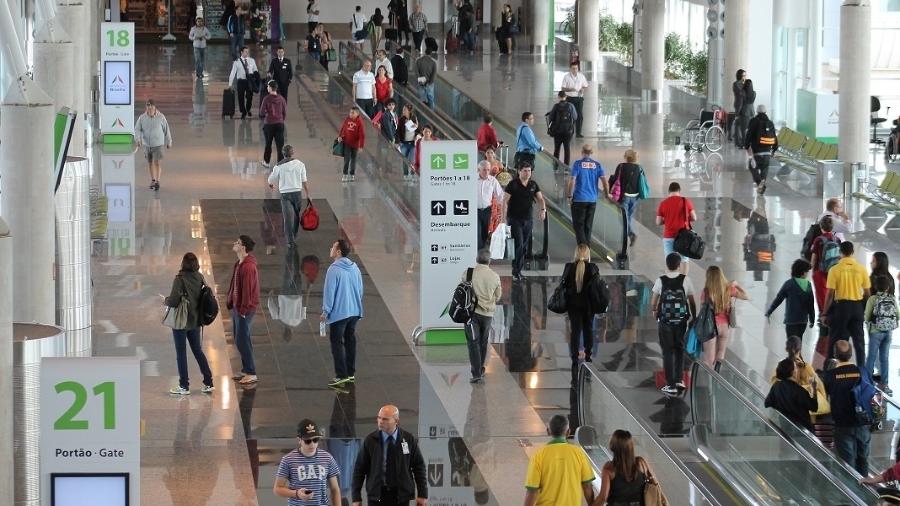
(689, 243)
(732, 315)
(643, 186)
(558, 303)
(176, 317)
(615, 193)
(653, 494)
(337, 148)
(309, 219)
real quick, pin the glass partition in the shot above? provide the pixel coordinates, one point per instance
(742, 444)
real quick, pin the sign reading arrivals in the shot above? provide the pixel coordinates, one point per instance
(90, 431)
(117, 94)
(448, 222)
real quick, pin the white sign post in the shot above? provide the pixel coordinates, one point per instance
(448, 236)
(117, 75)
(90, 431)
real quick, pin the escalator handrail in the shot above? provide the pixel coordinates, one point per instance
(700, 366)
(586, 370)
(809, 436)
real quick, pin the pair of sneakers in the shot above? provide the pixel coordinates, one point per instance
(673, 390)
(177, 390)
(346, 179)
(340, 381)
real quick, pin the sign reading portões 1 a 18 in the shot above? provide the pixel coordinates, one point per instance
(117, 93)
(448, 222)
(90, 431)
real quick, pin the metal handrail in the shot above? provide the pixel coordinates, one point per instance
(698, 366)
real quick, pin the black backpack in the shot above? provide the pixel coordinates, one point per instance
(209, 306)
(814, 230)
(673, 304)
(462, 305)
(564, 122)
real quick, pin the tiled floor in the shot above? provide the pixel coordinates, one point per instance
(213, 188)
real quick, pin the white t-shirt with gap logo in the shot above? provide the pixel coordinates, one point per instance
(311, 473)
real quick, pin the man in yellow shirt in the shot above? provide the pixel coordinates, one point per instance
(848, 288)
(559, 474)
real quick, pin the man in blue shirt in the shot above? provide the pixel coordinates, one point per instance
(527, 145)
(583, 190)
(341, 309)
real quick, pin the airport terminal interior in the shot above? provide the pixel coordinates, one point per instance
(90, 243)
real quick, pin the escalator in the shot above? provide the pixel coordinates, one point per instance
(732, 452)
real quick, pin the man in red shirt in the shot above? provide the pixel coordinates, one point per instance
(487, 136)
(820, 275)
(673, 214)
(353, 137)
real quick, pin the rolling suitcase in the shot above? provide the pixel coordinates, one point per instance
(452, 44)
(228, 103)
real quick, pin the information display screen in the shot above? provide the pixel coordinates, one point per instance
(96, 489)
(117, 82)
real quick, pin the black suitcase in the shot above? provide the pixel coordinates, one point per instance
(228, 103)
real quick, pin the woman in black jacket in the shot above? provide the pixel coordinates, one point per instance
(188, 283)
(800, 308)
(578, 275)
(629, 176)
(881, 267)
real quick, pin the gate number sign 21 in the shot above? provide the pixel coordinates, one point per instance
(68, 421)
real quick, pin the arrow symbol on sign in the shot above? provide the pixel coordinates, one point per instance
(435, 477)
(438, 206)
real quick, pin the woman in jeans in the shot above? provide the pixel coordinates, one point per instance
(384, 88)
(881, 326)
(578, 274)
(720, 292)
(407, 126)
(623, 478)
(188, 283)
(353, 137)
(628, 175)
(881, 267)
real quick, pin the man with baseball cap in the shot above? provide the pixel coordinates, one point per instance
(308, 476)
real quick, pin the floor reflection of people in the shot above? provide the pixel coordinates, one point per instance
(759, 244)
(156, 238)
(185, 452)
(520, 357)
(460, 462)
(198, 99)
(247, 395)
(672, 416)
(287, 305)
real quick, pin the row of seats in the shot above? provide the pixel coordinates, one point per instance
(885, 195)
(801, 152)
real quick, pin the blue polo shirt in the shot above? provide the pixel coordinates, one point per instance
(587, 173)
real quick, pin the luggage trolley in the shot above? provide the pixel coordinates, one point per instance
(705, 132)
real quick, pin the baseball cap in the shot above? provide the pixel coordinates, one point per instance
(307, 429)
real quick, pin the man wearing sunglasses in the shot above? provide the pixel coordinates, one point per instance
(308, 476)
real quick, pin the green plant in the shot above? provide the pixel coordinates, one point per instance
(570, 24)
(677, 52)
(696, 70)
(607, 33)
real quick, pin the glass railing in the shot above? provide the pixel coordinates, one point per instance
(601, 409)
(741, 443)
(755, 388)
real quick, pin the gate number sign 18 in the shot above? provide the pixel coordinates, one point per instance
(118, 38)
(68, 422)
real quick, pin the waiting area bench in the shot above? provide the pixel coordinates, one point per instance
(800, 152)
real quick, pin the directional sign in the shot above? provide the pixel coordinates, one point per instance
(438, 207)
(460, 161)
(438, 161)
(460, 207)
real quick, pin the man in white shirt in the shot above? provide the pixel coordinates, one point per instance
(842, 222)
(488, 190)
(357, 26)
(290, 175)
(574, 83)
(312, 10)
(381, 60)
(243, 71)
(364, 88)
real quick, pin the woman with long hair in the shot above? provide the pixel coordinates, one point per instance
(804, 375)
(623, 478)
(426, 136)
(505, 33)
(377, 21)
(578, 274)
(188, 283)
(384, 88)
(628, 175)
(720, 292)
(326, 44)
(881, 267)
(407, 126)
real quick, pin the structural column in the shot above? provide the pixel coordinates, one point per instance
(7, 490)
(653, 46)
(26, 148)
(854, 85)
(737, 37)
(588, 19)
(74, 20)
(540, 25)
(53, 57)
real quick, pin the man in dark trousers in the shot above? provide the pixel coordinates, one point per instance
(761, 143)
(391, 465)
(281, 71)
(401, 69)
(562, 126)
(851, 437)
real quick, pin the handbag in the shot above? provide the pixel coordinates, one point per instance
(498, 242)
(732, 315)
(331, 54)
(689, 243)
(557, 302)
(615, 192)
(337, 148)
(653, 494)
(176, 317)
(643, 186)
(309, 219)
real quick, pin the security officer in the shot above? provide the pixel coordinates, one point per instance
(281, 71)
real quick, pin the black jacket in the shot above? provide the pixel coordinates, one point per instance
(389, 125)
(188, 283)
(800, 303)
(631, 177)
(792, 401)
(401, 72)
(755, 129)
(412, 481)
(737, 88)
(579, 301)
(281, 71)
(839, 383)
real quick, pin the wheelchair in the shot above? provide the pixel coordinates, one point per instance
(706, 132)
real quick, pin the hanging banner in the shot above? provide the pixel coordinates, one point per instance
(448, 221)
(117, 76)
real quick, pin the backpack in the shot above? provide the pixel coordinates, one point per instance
(673, 305)
(209, 306)
(884, 313)
(462, 305)
(767, 134)
(565, 121)
(831, 253)
(705, 322)
(814, 230)
(866, 400)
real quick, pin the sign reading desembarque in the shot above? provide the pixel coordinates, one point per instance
(90, 431)
(117, 93)
(448, 223)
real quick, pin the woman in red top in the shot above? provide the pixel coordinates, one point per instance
(384, 88)
(487, 136)
(426, 136)
(353, 137)
(721, 293)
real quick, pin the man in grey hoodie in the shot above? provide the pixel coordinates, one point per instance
(152, 132)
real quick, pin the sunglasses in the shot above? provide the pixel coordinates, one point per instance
(310, 441)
